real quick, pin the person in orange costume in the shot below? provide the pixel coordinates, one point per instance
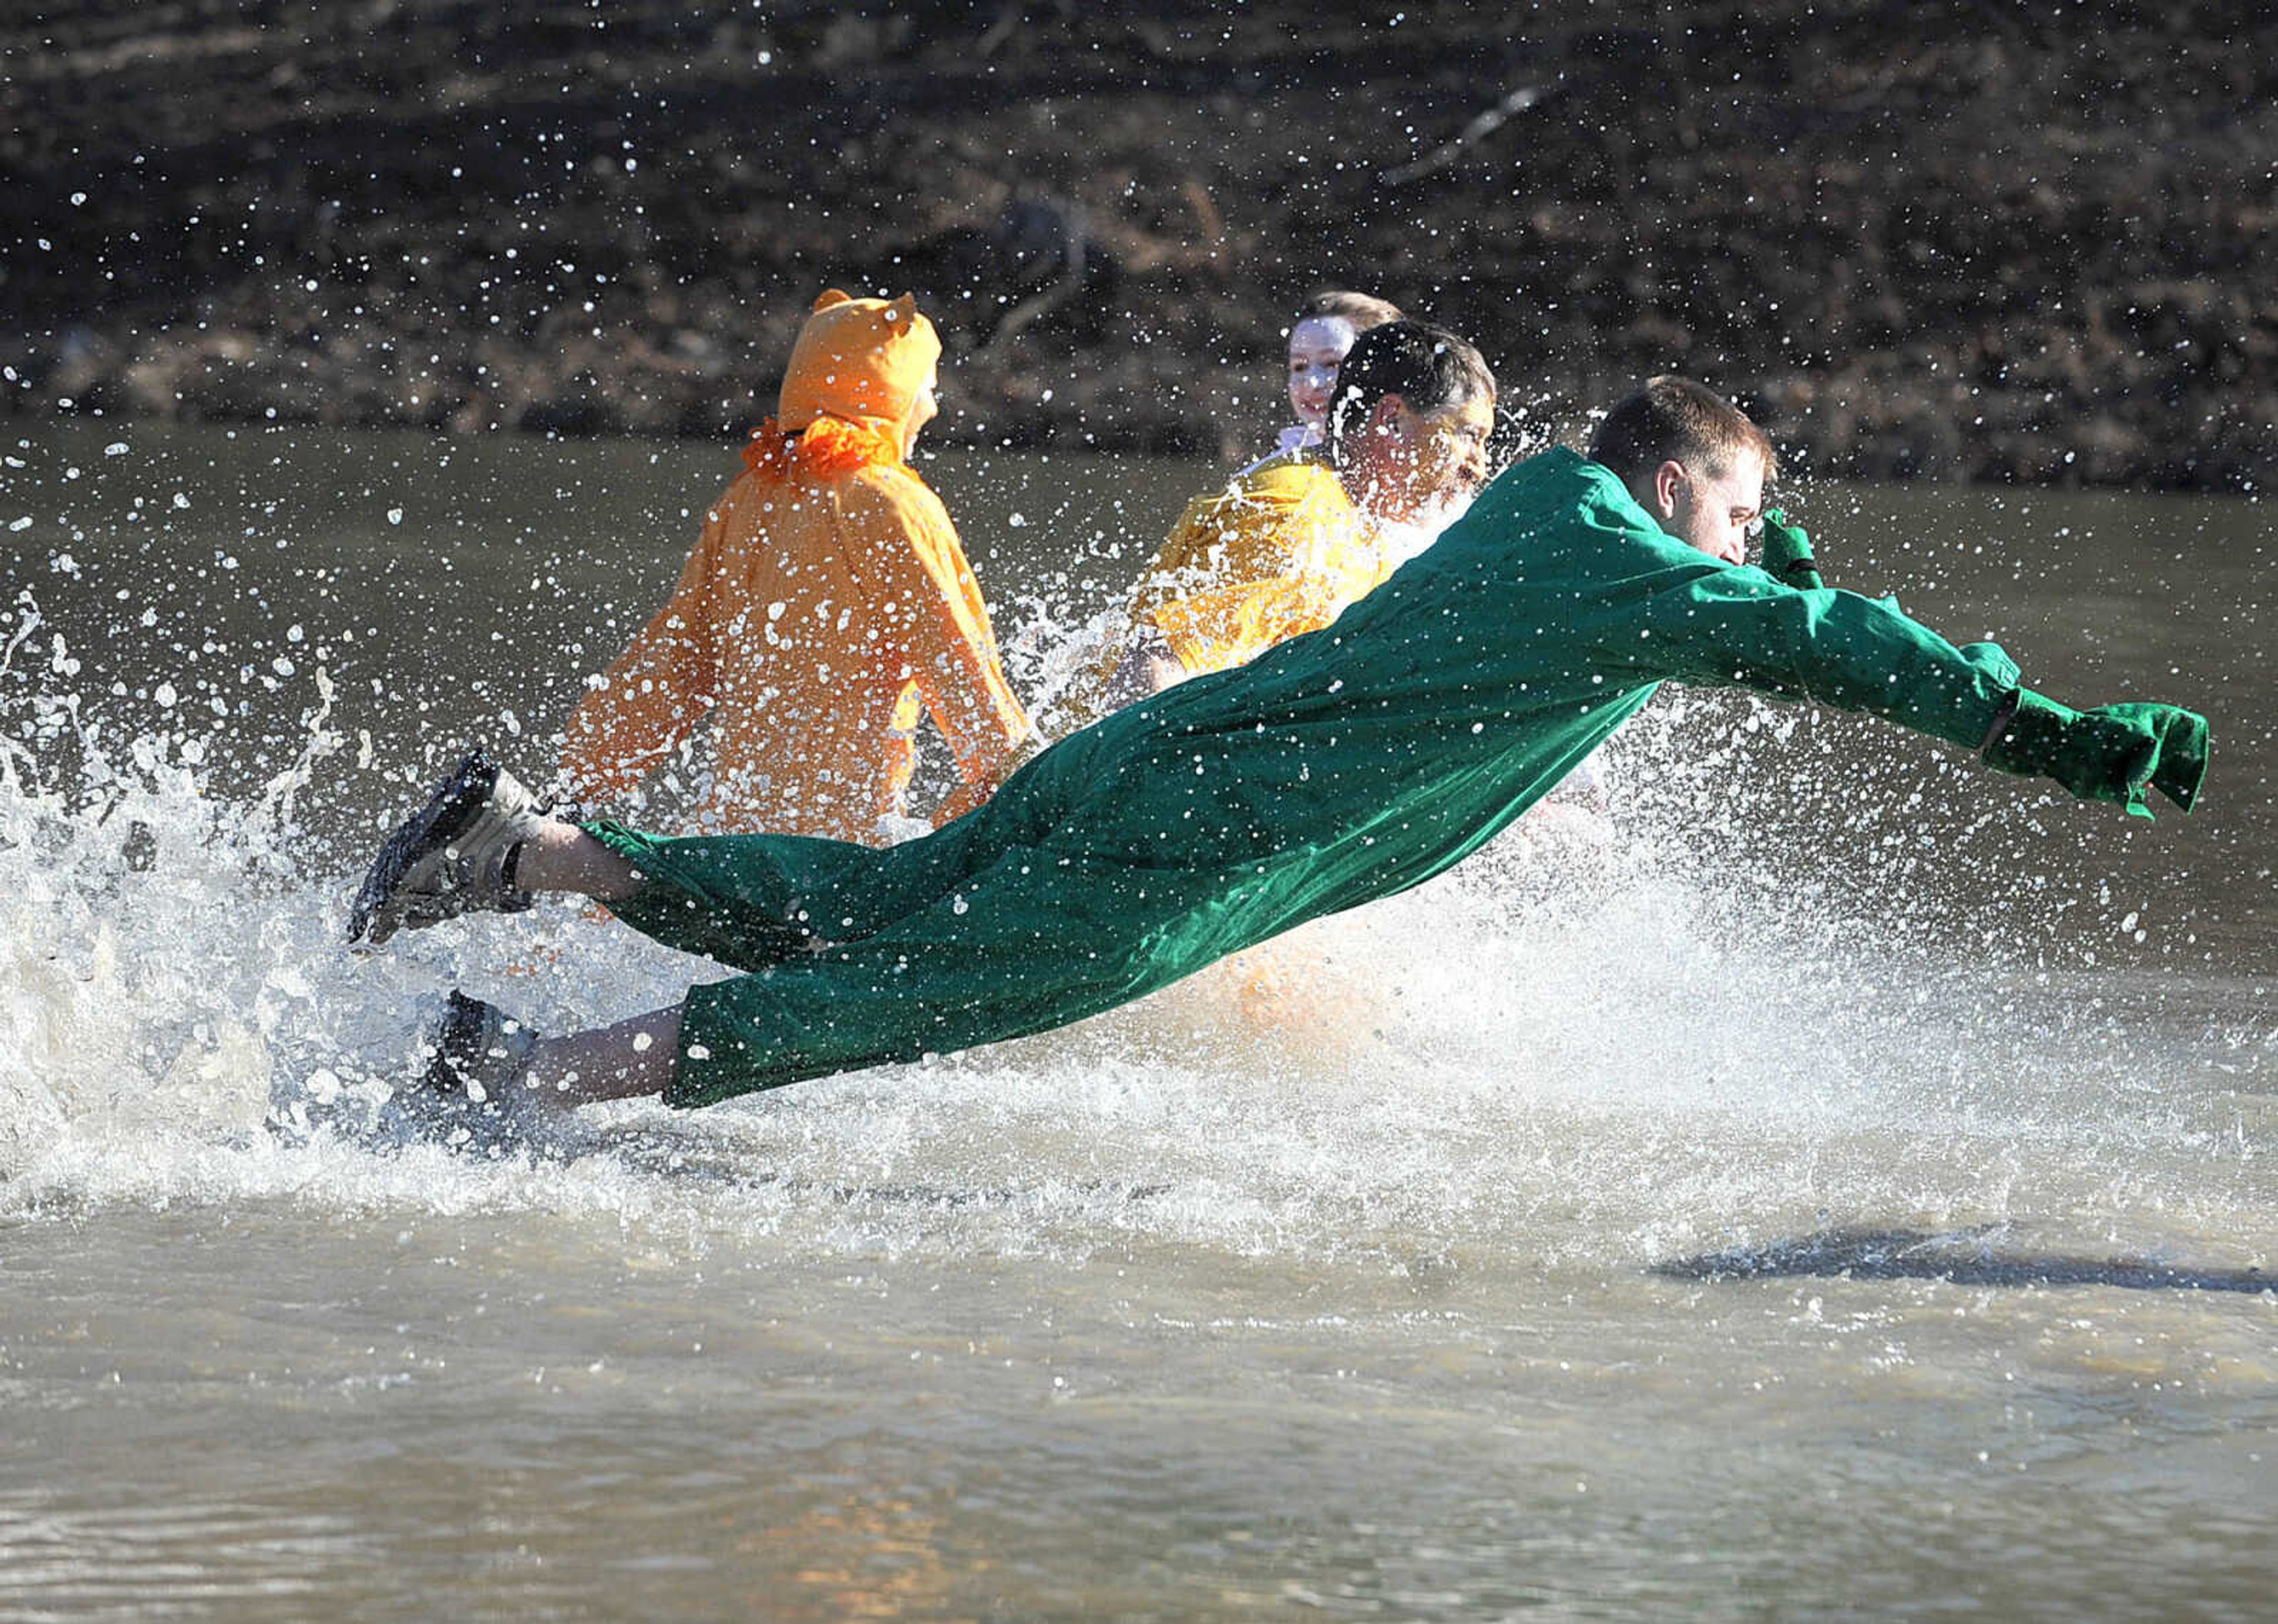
(826, 606)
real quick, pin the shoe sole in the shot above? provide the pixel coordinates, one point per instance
(454, 806)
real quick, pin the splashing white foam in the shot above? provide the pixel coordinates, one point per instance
(1555, 1042)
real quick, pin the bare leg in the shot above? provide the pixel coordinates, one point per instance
(635, 1056)
(565, 858)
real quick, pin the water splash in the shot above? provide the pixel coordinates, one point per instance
(1561, 1043)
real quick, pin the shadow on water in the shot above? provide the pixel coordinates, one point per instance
(681, 1156)
(1961, 1258)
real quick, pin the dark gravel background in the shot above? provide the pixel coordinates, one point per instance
(1986, 241)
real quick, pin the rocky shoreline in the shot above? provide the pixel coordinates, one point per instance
(1945, 242)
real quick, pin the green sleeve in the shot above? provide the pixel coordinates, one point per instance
(1672, 613)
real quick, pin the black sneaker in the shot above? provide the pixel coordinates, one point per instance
(476, 1049)
(472, 1092)
(450, 857)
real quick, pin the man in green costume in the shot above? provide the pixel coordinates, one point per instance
(1338, 767)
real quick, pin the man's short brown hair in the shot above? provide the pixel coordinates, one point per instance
(1363, 310)
(1674, 419)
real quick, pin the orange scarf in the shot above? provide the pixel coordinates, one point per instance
(826, 446)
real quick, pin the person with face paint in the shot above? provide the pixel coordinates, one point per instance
(1340, 767)
(1319, 341)
(1287, 545)
(826, 607)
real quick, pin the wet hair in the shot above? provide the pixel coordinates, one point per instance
(1363, 310)
(1674, 419)
(1428, 367)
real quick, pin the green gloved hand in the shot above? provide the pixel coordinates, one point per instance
(2112, 753)
(1787, 552)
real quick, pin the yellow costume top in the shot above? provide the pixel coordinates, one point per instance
(826, 605)
(1281, 550)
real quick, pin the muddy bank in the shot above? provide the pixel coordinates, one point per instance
(1949, 242)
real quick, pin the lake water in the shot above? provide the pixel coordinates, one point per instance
(1855, 1196)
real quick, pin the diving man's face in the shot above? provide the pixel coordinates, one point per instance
(1707, 509)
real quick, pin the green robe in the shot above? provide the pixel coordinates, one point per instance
(1336, 768)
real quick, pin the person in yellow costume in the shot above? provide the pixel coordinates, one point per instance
(1287, 543)
(1281, 550)
(827, 605)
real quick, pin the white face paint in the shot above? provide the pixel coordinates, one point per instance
(1316, 346)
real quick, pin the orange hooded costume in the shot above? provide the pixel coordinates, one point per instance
(826, 603)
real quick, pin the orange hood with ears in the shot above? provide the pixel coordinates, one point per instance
(864, 359)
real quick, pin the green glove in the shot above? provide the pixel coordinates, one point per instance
(1787, 552)
(2112, 753)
